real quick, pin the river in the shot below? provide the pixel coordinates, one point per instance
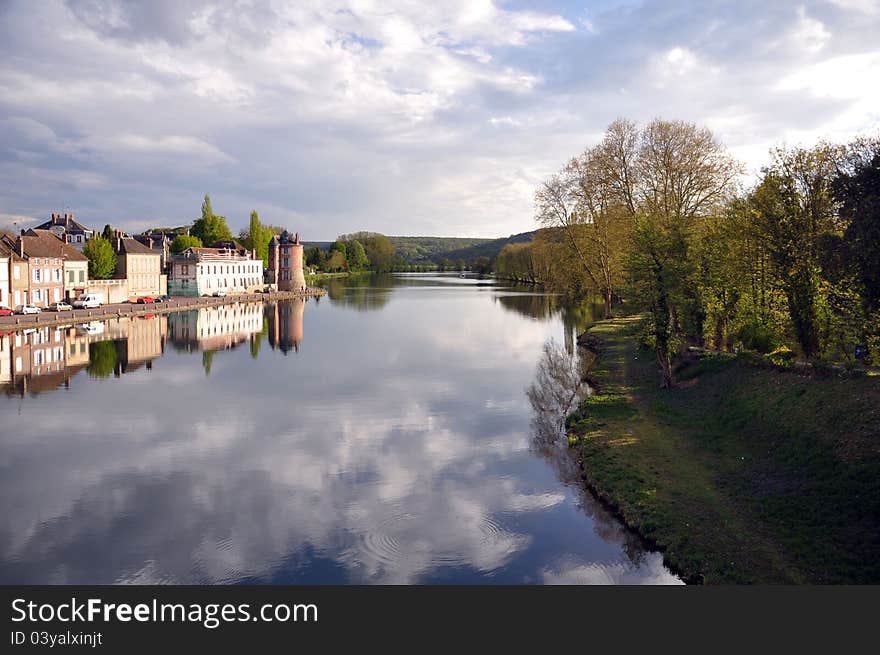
(380, 434)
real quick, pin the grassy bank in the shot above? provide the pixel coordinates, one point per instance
(741, 474)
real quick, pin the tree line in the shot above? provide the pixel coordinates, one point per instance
(658, 216)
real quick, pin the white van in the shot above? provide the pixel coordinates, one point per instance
(89, 301)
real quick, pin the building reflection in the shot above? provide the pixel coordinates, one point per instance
(285, 320)
(43, 359)
(215, 328)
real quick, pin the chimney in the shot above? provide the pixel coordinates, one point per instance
(150, 243)
(20, 245)
(118, 243)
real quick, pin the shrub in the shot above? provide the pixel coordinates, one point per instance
(755, 336)
(782, 357)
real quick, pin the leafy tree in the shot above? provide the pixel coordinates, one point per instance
(857, 189)
(108, 233)
(795, 209)
(315, 257)
(482, 265)
(379, 249)
(210, 228)
(257, 237)
(356, 256)
(336, 262)
(102, 258)
(183, 241)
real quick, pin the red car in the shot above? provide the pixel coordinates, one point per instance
(146, 300)
(5, 311)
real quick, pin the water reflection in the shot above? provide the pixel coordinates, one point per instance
(561, 383)
(388, 450)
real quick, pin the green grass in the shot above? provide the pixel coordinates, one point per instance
(741, 474)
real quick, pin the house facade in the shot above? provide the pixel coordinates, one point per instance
(66, 228)
(44, 253)
(157, 242)
(76, 273)
(286, 262)
(141, 266)
(18, 274)
(204, 271)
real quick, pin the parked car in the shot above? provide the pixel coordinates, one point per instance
(89, 301)
(60, 307)
(162, 298)
(5, 311)
(27, 309)
(220, 293)
(146, 300)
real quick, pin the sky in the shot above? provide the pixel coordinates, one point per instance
(409, 118)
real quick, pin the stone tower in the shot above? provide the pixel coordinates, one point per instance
(286, 262)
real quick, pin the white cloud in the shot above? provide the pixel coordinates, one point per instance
(317, 113)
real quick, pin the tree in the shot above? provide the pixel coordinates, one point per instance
(857, 188)
(378, 248)
(210, 228)
(356, 256)
(336, 262)
(108, 233)
(681, 176)
(257, 237)
(102, 258)
(795, 209)
(183, 241)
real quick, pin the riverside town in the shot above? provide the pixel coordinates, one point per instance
(478, 296)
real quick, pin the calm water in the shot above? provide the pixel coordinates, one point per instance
(381, 434)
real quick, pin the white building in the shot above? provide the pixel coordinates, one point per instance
(204, 271)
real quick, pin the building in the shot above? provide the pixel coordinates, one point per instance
(68, 230)
(157, 242)
(76, 273)
(44, 253)
(228, 268)
(17, 274)
(286, 263)
(141, 266)
(5, 295)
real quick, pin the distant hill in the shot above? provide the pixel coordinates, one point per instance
(428, 250)
(488, 248)
(424, 250)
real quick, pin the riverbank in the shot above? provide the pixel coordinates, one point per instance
(741, 474)
(120, 310)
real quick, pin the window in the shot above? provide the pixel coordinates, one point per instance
(70, 278)
(16, 272)
(79, 238)
(37, 275)
(82, 276)
(38, 295)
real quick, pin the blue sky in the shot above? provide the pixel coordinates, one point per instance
(415, 118)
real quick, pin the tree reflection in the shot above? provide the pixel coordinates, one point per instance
(361, 292)
(561, 383)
